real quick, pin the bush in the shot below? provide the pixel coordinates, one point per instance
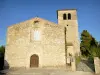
(2, 52)
(78, 59)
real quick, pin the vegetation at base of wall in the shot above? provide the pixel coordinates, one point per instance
(89, 46)
(78, 59)
(2, 52)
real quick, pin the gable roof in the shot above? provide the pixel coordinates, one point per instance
(44, 20)
(35, 19)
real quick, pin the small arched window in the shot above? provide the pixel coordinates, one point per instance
(64, 17)
(69, 16)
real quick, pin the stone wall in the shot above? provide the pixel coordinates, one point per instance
(21, 44)
(97, 65)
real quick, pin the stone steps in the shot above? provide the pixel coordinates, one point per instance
(85, 67)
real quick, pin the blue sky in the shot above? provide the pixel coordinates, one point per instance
(15, 11)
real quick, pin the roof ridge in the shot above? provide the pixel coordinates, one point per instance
(38, 18)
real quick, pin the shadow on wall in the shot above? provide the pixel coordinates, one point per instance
(6, 65)
(3, 64)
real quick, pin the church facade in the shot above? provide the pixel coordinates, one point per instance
(39, 43)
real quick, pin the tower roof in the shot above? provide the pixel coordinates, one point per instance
(65, 9)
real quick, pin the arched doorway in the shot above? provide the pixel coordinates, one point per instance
(34, 61)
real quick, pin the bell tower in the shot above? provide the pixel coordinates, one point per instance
(68, 19)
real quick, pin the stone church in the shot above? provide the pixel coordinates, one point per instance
(39, 43)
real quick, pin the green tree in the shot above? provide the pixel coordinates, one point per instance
(86, 39)
(98, 50)
(93, 47)
(89, 46)
(2, 49)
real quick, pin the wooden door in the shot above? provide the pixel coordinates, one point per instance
(34, 61)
